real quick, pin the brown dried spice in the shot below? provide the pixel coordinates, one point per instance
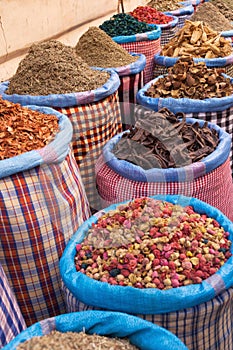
(53, 68)
(98, 49)
(23, 130)
(191, 80)
(212, 17)
(161, 140)
(196, 39)
(225, 7)
(75, 341)
(164, 5)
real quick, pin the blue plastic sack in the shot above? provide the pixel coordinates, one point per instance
(54, 152)
(145, 301)
(136, 173)
(185, 105)
(143, 334)
(218, 62)
(69, 99)
(183, 11)
(153, 35)
(133, 68)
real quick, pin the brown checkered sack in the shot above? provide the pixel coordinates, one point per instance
(94, 124)
(11, 318)
(43, 202)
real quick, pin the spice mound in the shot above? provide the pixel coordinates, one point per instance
(165, 140)
(165, 5)
(212, 17)
(98, 49)
(225, 7)
(150, 15)
(73, 341)
(53, 68)
(123, 24)
(196, 39)
(23, 130)
(149, 243)
(191, 80)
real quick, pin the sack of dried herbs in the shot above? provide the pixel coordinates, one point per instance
(100, 330)
(129, 257)
(53, 75)
(12, 321)
(43, 202)
(167, 154)
(183, 13)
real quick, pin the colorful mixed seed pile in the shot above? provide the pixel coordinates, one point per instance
(23, 130)
(75, 341)
(149, 243)
(191, 80)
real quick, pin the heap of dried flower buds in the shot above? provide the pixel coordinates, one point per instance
(196, 39)
(23, 130)
(149, 243)
(191, 80)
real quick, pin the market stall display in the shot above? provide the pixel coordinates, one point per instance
(53, 75)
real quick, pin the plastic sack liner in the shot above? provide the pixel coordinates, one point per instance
(65, 100)
(182, 13)
(132, 68)
(12, 321)
(154, 34)
(43, 203)
(54, 152)
(186, 173)
(185, 105)
(143, 334)
(150, 301)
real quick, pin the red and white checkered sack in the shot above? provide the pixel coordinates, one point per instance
(43, 202)
(11, 318)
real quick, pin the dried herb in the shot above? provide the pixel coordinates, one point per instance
(75, 341)
(23, 130)
(212, 17)
(196, 39)
(191, 80)
(54, 68)
(98, 49)
(164, 5)
(164, 140)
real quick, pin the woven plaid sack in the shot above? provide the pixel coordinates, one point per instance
(147, 44)
(11, 319)
(162, 63)
(208, 180)
(43, 202)
(131, 81)
(96, 118)
(215, 110)
(168, 30)
(200, 315)
(182, 13)
(144, 335)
